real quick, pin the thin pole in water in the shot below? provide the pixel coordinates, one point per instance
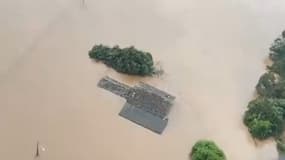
(83, 3)
(37, 151)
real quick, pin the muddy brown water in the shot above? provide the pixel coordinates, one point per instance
(212, 51)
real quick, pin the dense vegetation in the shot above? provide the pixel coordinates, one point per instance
(271, 85)
(206, 150)
(277, 55)
(265, 116)
(127, 60)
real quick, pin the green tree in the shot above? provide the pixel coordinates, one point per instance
(266, 85)
(265, 117)
(278, 67)
(277, 50)
(206, 150)
(127, 60)
(277, 55)
(261, 128)
(271, 85)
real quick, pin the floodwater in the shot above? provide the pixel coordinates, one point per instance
(212, 51)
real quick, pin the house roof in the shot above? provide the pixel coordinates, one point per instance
(146, 105)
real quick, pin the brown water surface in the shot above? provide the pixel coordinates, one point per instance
(213, 52)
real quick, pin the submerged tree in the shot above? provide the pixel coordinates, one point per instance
(277, 50)
(271, 85)
(206, 150)
(266, 85)
(127, 60)
(265, 117)
(277, 55)
(278, 67)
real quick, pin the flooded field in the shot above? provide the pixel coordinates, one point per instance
(212, 51)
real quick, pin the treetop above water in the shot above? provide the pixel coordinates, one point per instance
(126, 60)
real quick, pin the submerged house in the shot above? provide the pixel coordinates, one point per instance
(145, 104)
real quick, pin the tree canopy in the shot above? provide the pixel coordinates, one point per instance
(277, 55)
(206, 150)
(271, 85)
(127, 60)
(277, 49)
(278, 67)
(265, 117)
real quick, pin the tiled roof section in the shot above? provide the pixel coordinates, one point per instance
(154, 90)
(149, 102)
(114, 86)
(142, 96)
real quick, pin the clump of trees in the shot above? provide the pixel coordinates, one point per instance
(265, 116)
(126, 60)
(271, 85)
(277, 55)
(206, 150)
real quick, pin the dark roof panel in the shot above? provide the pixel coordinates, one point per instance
(143, 118)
